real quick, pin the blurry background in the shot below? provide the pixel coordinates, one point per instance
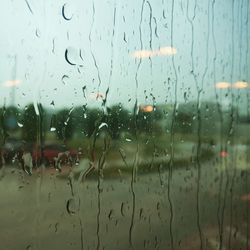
(136, 115)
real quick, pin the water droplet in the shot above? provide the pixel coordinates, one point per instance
(19, 124)
(141, 212)
(127, 139)
(64, 14)
(52, 104)
(102, 125)
(71, 206)
(72, 56)
(63, 79)
(111, 214)
(83, 90)
(56, 227)
(38, 33)
(122, 209)
(67, 58)
(52, 129)
(29, 247)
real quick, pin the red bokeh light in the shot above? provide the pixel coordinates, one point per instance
(223, 154)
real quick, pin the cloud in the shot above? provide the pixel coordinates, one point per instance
(163, 51)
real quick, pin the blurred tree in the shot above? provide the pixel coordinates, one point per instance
(183, 122)
(117, 120)
(30, 131)
(63, 124)
(147, 121)
(91, 120)
(3, 131)
(77, 118)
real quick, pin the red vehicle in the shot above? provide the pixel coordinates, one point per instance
(54, 153)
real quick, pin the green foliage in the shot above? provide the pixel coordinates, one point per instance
(63, 124)
(30, 124)
(91, 121)
(183, 122)
(118, 120)
(3, 133)
(147, 122)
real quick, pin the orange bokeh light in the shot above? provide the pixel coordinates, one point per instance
(223, 154)
(11, 83)
(168, 51)
(163, 51)
(223, 85)
(245, 197)
(147, 109)
(240, 85)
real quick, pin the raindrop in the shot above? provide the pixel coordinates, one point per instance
(72, 57)
(52, 104)
(64, 15)
(29, 247)
(111, 214)
(127, 139)
(56, 227)
(19, 124)
(38, 33)
(28, 5)
(141, 212)
(102, 125)
(83, 90)
(80, 54)
(67, 59)
(158, 205)
(122, 209)
(71, 206)
(52, 129)
(53, 46)
(63, 78)
(124, 38)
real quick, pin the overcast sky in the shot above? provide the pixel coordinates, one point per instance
(144, 50)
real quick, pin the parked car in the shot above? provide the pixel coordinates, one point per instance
(53, 154)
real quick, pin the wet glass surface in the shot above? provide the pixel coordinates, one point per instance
(124, 124)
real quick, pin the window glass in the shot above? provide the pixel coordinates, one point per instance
(124, 124)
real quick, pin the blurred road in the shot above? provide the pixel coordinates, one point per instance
(192, 207)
